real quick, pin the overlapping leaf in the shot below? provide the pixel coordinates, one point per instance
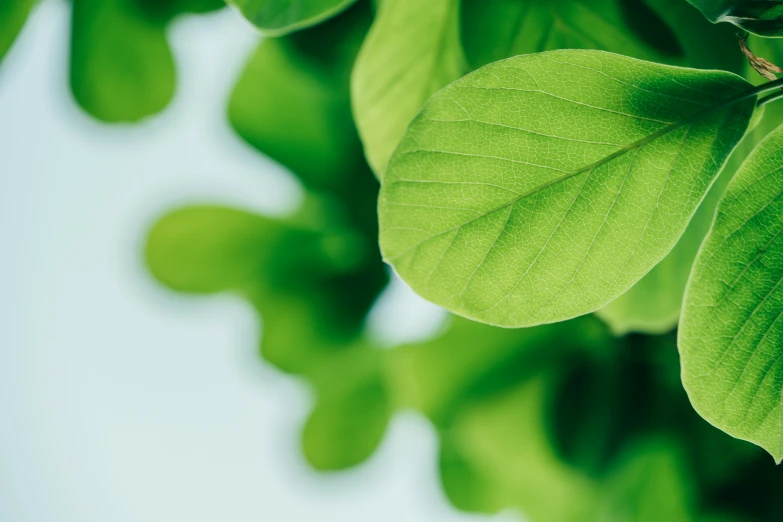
(412, 51)
(731, 335)
(543, 187)
(493, 30)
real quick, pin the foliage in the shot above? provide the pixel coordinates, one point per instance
(532, 161)
(525, 417)
(121, 66)
(731, 336)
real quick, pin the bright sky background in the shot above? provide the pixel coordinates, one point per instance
(122, 402)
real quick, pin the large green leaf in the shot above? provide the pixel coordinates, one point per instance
(763, 17)
(279, 17)
(543, 187)
(670, 31)
(731, 336)
(13, 15)
(704, 45)
(412, 51)
(651, 483)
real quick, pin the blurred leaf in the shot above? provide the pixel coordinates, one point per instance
(671, 31)
(13, 15)
(121, 65)
(412, 50)
(293, 96)
(279, 17)
(496, 29)
(704, 45)
(651, 484)
(293, 275)
(653, 304)
(503, 438)
(488, 391)
(209, 249)
(729, 337)
(762, 17)
(352, 412)
(121, 68)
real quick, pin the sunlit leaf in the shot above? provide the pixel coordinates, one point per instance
(279, 17)
(543, 187)
(13, 15)
(412, 51)
(313, 287)
(669, 31)
(352, 411)
(730, 335)
(763, 17)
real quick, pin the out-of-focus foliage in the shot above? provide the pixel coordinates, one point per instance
(763, 17)
(563, 422)
(121, 66)
(280, 17)
(13, 14)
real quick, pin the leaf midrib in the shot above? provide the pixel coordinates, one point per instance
(606, 159)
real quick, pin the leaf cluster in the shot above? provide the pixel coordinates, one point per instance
(560, 421)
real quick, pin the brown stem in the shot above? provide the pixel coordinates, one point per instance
(761, 65)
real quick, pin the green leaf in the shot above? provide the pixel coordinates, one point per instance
(653, 304)
(352, 409)
(496, 29)
(651, 483)
(673, 31)
(280, 17)
(312, 286)
(13, 15)
(412, 51)
(503, 438)
(121, 66)
(293, 96)
(209, 249)
(730, 335)
(762, 17)
(543, 187)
